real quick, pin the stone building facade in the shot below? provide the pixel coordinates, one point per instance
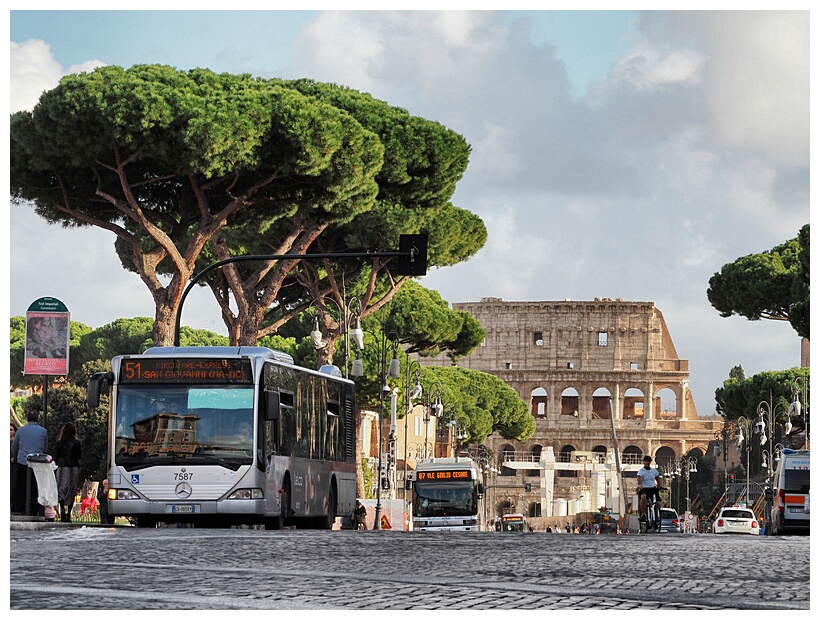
(572, 361)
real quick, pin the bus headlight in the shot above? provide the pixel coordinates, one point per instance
(247, 494)
(122, 494)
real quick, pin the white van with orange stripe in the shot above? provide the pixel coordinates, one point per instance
(790, 488)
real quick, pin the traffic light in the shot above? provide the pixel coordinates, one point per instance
(731, 478)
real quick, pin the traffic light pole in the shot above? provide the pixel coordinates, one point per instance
(412, 255)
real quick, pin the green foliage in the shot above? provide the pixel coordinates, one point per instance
(428, 325)
(768, 285)
(483, 400)
(742, 397)
(190, 167)
(800, 311)
(368, 476)
(121, 337)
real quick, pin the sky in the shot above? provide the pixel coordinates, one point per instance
(620, 154)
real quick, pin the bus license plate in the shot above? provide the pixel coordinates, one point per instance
(190, 508)
(800, 510)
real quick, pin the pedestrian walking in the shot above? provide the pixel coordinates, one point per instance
(67, 455)
(30, 439)
(102, 498)
(359, 514)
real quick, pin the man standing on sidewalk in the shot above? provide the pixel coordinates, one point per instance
(30, 439)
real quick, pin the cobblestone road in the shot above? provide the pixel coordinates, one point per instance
(170, 569)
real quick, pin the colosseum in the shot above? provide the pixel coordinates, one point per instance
(605, 386)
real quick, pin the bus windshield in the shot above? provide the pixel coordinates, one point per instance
(444, 499)
(172, 424)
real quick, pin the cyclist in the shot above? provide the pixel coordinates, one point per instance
(647, 483)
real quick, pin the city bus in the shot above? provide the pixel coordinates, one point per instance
(220, 436)
(447, 495)
(513, 523)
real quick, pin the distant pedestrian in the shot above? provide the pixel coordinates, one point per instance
(102, 498)
(30, 439)
(67, 455)
(359, 514)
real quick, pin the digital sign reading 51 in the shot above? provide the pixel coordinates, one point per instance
(454, 474)
(186, 370)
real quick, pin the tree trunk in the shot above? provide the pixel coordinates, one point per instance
(164, 322)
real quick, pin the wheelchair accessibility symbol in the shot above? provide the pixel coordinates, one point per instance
(135, 478)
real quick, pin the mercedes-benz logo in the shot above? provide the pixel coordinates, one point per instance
(183, 490)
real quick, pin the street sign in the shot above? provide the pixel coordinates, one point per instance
(412, 255)
(47, 337)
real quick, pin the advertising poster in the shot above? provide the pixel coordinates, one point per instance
(47, 338)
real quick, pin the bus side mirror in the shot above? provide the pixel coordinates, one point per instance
(480, 489)
(272, 405)
(408, 485)
(95, 386)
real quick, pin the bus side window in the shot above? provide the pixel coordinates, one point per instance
(287, 423)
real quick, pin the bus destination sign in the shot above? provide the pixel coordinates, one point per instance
(449, 474)
(186, 370)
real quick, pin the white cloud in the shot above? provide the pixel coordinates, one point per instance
(34, 71)
(648, 68)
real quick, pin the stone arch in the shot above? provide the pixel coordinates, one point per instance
(632, 455)
(570, 402)
(634, 407)
(539, 399)
(698, 452)
(666, 404)
(599, 452)
(505, 507)
(535, 451)
(506, 471)
(565, 456)
(664, 456)
(564, 453)
(600, 403)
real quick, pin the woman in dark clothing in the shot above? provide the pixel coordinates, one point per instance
(67, 455)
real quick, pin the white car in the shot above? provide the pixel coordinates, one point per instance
(736, 521)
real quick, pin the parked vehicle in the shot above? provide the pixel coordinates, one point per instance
(790, 510)
(670, 521)
(736, 521)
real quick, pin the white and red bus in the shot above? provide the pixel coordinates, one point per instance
(219, 436)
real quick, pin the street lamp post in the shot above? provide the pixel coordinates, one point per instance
(800, 406)
(483, 458)
(434, 408)
(458, 427)
(723, 435)
(744, 435)
(767, 413)
(414, 391)
(689, 466)
(388, 341)
(348, 312)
